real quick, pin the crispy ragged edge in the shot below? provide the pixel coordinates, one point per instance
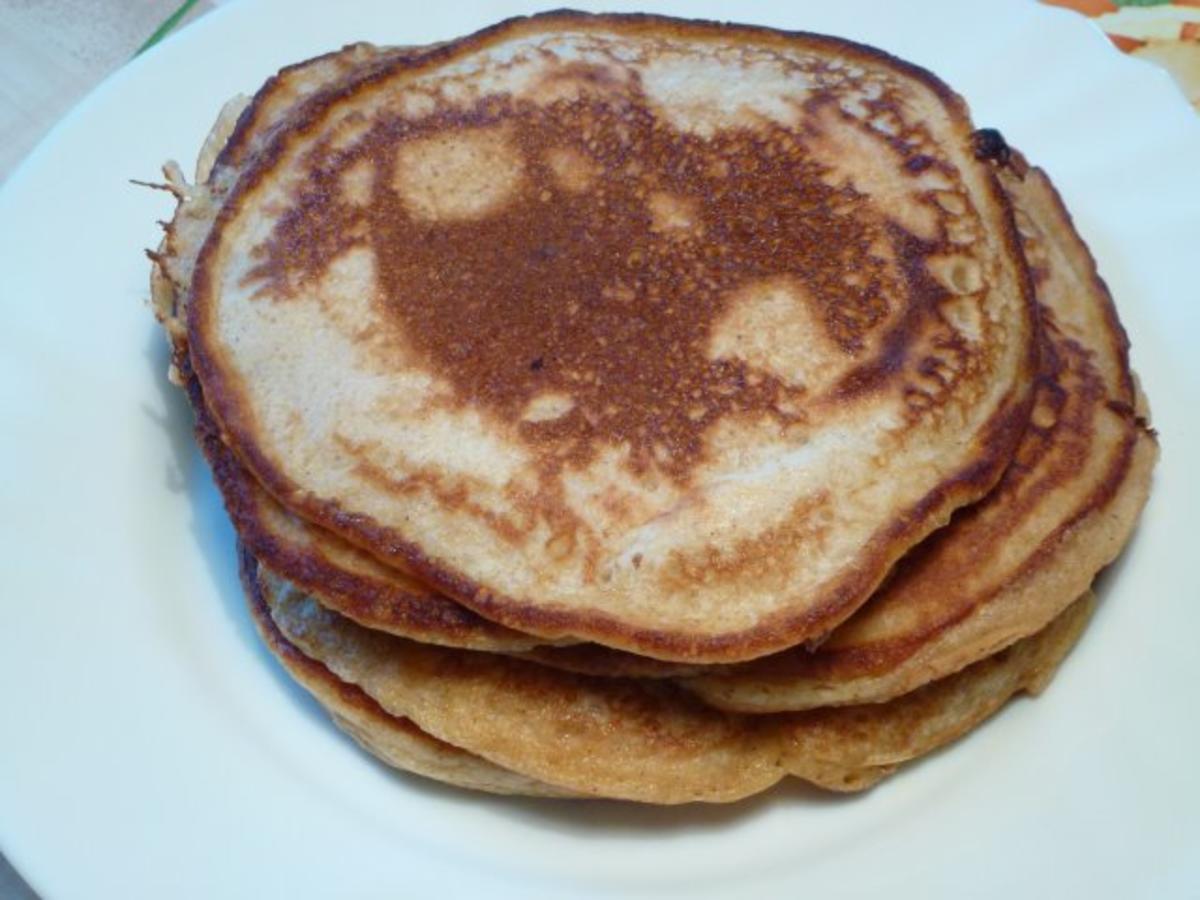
(774, 632)
(395, 740)
(195, 209)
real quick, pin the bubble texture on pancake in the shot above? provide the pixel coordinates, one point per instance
(1003, 568)
(689, 341)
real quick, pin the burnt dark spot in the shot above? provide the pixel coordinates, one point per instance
(989, 145)
(536, 364)
(1122, 409)
(919, 163)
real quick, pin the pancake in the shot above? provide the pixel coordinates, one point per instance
(647, 741)
(690, 448)
(1004, 568)
(396, 741)
(527, 725)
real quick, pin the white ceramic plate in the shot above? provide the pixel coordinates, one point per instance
(150, 748)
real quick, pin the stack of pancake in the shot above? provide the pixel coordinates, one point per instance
(630, 407)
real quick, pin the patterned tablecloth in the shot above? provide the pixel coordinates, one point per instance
(52, 52)
(1165, 32)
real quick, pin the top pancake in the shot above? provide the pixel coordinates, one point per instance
(668, 335)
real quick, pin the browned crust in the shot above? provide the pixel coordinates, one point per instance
(941, 712)
(250, 120)
(881, 656)
(839, 664)
(395, 740)
(775, 632)
(374, 603)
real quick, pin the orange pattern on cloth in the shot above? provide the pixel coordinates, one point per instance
(1165, 33)
(1087, 7)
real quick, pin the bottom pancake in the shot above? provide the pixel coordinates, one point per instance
(392, 739)
(512, 726)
